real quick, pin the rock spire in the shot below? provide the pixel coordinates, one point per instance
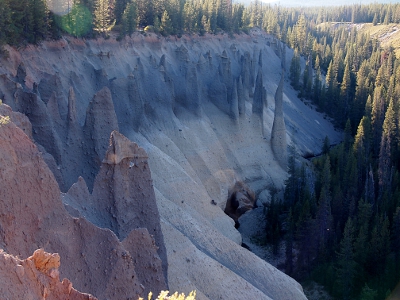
(278, 134)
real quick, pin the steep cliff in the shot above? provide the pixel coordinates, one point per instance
(202, 109)
(33, 216)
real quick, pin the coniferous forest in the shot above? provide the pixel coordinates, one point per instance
(340, 217)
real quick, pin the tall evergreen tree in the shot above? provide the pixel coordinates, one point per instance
(289, 244)
(386, 149)
(5, 22)
(345, 93)
(346, 266)
(317, 84)
(119, 9)
(102, 17)
(129, 18)
(38, 27)
(378, 114)
(295, 70)
(166, 24)
(21, 21)
(379, 245)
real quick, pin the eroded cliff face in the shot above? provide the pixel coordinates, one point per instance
(32, 216)
(202, 108)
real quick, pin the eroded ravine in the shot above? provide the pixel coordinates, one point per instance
(189, 103)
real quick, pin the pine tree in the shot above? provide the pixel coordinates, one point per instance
(346, 266)
(348, 139)
(237, 17)
(38, 14)
(386, 149)
(175, 12)
(380, 245)
(317, 83)
(370, 186)
(295, 70)
(129, 18)
(21, 21)
(345, 93)
(307, 79)
(102, 17)
(166, 24)
(289, 244)
(5, 22)
(89, 4)
(119, 10)
(332, 86)
(323, 221)
(301, 34)
(362, 92)
(378, 113)
(156, 24)
(188, 16)
(145, 11)
(396, 235)
(306, 243)
(362, 230)
(362, 147)
(291, 183)
(326, 145)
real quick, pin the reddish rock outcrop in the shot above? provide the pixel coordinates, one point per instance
(36, 277)
(32, 216)
(17, 118)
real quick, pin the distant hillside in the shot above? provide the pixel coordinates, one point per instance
(387, 34)
(309, 3)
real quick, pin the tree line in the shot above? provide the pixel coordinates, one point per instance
(340, 218)
(30, 21)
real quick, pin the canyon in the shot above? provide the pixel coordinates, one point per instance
(120, 155)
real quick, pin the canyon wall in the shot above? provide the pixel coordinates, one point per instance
(202, 108)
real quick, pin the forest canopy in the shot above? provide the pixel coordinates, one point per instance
(30, 21)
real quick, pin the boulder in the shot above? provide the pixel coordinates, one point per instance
(240, 199)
